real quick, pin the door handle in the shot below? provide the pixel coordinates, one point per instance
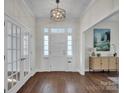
(22, 59)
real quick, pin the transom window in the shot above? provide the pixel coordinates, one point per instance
(57, 30)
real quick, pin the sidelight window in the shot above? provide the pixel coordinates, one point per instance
(69, 42)
(46, 42)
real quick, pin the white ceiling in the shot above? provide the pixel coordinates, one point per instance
(74, 8)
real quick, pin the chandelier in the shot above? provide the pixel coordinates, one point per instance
(57, 14)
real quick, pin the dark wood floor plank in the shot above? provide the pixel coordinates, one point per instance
(62, 82)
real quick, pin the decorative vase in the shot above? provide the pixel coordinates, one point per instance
(115, 54)
(93, 54)
(98, 55)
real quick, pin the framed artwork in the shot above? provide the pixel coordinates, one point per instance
(102, 39)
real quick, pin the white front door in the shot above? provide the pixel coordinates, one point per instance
(58, 55)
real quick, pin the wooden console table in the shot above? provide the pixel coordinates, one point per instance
(105, 63)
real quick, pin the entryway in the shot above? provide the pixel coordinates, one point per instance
(58, 49)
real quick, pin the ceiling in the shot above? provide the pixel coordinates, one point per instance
(74, 8)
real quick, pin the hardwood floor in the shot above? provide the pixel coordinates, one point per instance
(62, 82)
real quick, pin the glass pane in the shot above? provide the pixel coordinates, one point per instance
(46, 53)
(45, 30)
(9, 42)
(69, 43)
(46, 37)
(14, 79)
(14, 67)
(69, 47)
(9, 83)
(18, 76)
(57, 30)
(9, 28)
(45, 47)
(46, 43)
(14, 30)
(26, 67)
(18, 66)
(19, 38)
(14, 43)
(25, 41)
(53, 30)
(26, 44)
(25, 51)
(9, 69)
(18, 70)
(25, 73)
(69, 53)
(18, 44)
(18, 32)
(9, 56)
(18, 55)
(14, 55)
(25, 38)
(69, 37)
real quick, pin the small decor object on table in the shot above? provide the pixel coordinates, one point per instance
(115, 54)
(91, 51)
(98, 55)
(93, 54)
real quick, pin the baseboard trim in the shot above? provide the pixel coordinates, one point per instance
(45, 70)
(86, 70)
(82, 73)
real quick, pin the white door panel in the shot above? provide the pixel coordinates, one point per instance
(58, 57)
(58, 64)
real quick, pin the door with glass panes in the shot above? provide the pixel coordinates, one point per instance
(17, 58)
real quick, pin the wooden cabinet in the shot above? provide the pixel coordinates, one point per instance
(96, 63)
(104, 63)
(117, 64)
(113, 63)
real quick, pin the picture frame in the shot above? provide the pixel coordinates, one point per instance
(102, 39)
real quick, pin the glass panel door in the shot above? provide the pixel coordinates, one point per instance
(13, 53)
(26, 45)
(17, 54)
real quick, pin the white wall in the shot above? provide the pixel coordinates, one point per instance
(41, 64)
(114, 26)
